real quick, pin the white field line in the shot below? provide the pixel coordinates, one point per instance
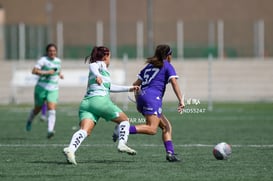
(136, 145)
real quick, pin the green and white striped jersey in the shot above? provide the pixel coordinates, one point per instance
(49, 82)
(93, 89)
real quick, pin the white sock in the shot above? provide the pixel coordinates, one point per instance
(124, 132)
(31, 116)
(77, 139)
(51, 120)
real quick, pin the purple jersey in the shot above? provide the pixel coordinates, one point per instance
(154, 81)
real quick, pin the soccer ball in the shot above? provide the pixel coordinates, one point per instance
(222, 151)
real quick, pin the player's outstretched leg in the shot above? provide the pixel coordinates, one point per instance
(123, 137)
(115, 136)
(75, 143)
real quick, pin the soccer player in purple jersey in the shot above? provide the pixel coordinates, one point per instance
(153, 80)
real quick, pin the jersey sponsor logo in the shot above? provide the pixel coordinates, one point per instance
(148, 108)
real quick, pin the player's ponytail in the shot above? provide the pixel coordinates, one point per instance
(97, 54)
(161, 53)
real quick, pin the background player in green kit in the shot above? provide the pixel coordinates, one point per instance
(48, 68)
(97, 104)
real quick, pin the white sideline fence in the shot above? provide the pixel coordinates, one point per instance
(74, 78)
(228, 80)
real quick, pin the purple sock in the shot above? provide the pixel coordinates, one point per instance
(44, 109)
(132, 129)
(169, 146)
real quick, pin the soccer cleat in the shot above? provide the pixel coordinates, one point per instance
(125, 149)
(114, 137)
(171, 157)
(50, 134)
(115, 133)
(70, 156)
(28, 126)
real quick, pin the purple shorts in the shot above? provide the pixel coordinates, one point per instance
(149, 104)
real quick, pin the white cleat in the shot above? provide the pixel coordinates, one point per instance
(125, 149)
(70, 156)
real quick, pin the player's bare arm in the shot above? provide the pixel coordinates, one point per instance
(42, 72)
(178, 94)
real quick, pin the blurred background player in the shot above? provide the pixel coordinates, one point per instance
(97, 104)
(48, 68)
(153, 80)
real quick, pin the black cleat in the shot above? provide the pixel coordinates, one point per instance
(28, 126)
(50, 134)
(171, 157)
(115, 135)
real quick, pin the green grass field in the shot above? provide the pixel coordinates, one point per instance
(248, 127)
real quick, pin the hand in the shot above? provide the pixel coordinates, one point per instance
(134, 88)
(50, 72)
(181, 106)
(61, 76)
(99, 80)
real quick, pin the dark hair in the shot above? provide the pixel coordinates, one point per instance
(48, 47)
(97, 54)
(161, 53)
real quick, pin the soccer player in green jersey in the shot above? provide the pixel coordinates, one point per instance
(48, 68)
(97, 104)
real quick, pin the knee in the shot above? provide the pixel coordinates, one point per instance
(87, 131)
(166, 129)
(87, 125)
(52, 112)
(152, 131)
